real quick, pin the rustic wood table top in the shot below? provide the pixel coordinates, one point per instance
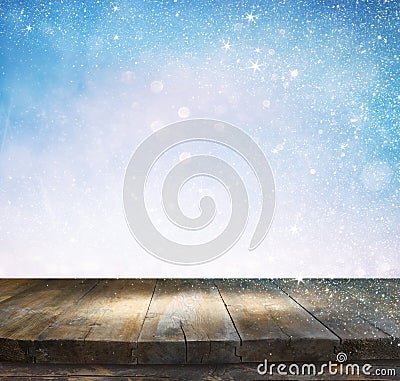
(192, 321)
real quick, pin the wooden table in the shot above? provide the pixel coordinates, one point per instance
(143, 325)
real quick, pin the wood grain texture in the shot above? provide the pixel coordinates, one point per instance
(188, 372)
(345, 316)
(187, 323)
(26, 315)
(379, 300)
(102, 327)
(197, 321)
(273, 326)
(12, 287)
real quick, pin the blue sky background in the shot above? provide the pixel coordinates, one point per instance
(315, 83)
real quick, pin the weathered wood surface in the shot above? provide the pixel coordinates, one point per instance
(187, 323)
(27, 314)
(197, 321)
(188, 372)
(380, 299)
(103, 327)
(273, 326)
(12, 287)
(347, 315)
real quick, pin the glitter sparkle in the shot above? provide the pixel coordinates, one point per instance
(84, 83)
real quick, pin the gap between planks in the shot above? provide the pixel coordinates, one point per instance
(233, 322)
(349, 317)
(305, 309)
(187, 323)
(102, 327)
(271, 325)
(201, 350)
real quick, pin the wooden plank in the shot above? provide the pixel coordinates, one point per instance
(345, 316)
(26, 315)
(16, 378)
(12, 287)
(380, 300)
(188, 372)
(273, 326)
(103, 327)
(187, 323)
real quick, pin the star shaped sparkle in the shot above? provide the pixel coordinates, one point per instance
(255, 66)
(226, 46)
(251, 18)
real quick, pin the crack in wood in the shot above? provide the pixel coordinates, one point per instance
(194, 321)
(305, 309)
(186, 343)
(233, 323)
